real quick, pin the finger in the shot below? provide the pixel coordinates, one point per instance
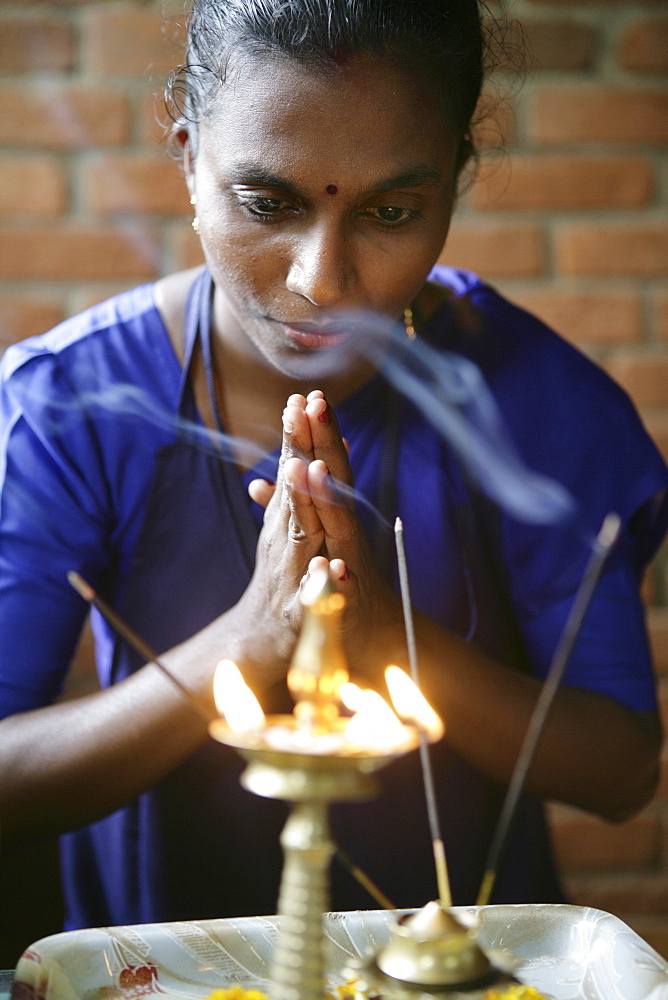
(330, 494)
(304, 524)
(317, 564)
(297, 431)
(336, 570)
(327, 442)
(339, 573)
(345, 581)
(343, 536)
(261, 491)
(296, 437)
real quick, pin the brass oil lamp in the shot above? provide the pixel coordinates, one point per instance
(313, 757)
(318, 755)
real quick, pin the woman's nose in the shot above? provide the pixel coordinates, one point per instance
(321, 268)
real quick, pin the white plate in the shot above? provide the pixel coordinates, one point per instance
(566, 952)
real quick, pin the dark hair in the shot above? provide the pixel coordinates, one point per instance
(448, 39)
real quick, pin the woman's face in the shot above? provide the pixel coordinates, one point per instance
(319, 192)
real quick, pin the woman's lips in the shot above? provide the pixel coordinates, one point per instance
(316, 337)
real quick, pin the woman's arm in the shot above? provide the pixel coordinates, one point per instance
(594, 752)
(69, 764)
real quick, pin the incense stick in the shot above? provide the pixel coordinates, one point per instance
(605, 540)
(134, 639)
(364, 880)
(442, 880)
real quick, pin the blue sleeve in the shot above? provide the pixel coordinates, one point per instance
(573, 423)
(611, 655)
(53, 518)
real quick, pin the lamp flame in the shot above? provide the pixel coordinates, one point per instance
(410, 703)
(374, 724)
(234, 699)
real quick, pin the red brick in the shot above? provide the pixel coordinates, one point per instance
(24, 316)
(62, 117)
(657, 425)
(560, 44)
(592, 113)
(657, 622)
(132, 42)
(644, 377)
(588, 317)
(644, 46)
(32, 185)
(66, 3)
(91, 294)
(31, 43)
(624, 893)
(653, 930)
(495, 250)
(586, 842)
(649, 587)
(78, 253)
(185, 249)
(663, 701)
(152, 121)
(137, 183)
(662, 790)
(626, 250)
(494, 125)
(567, 182)
(661, 308)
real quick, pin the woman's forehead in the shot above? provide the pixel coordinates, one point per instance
(369, 103)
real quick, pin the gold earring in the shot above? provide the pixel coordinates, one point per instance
(195, 222)
(409, 323)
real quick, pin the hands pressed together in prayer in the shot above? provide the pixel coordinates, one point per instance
(310, 523)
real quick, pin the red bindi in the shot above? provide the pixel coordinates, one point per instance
(331, 189)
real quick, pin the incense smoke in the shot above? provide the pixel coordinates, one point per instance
(447, 388)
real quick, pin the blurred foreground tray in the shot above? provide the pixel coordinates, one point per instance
(567, 952)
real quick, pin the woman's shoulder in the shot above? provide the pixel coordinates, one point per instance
(565, 414)
(116, 332)
(512, 347)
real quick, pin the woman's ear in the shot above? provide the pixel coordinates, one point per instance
(182, 138)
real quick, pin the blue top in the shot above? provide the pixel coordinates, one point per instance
(95, 433)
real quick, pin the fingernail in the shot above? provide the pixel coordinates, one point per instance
(288, 425)
(324, 417)
(345, 576)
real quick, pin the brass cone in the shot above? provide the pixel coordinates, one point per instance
(431, 947)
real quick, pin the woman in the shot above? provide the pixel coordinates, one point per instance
(322, 145)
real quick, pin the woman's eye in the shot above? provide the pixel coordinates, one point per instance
(265, 207)
(392, 216)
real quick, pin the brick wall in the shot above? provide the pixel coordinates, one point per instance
(572, 223)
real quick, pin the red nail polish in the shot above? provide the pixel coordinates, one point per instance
(345, 576)
(324, 417)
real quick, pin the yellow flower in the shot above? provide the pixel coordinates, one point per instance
(237, 993)
(514, 993)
